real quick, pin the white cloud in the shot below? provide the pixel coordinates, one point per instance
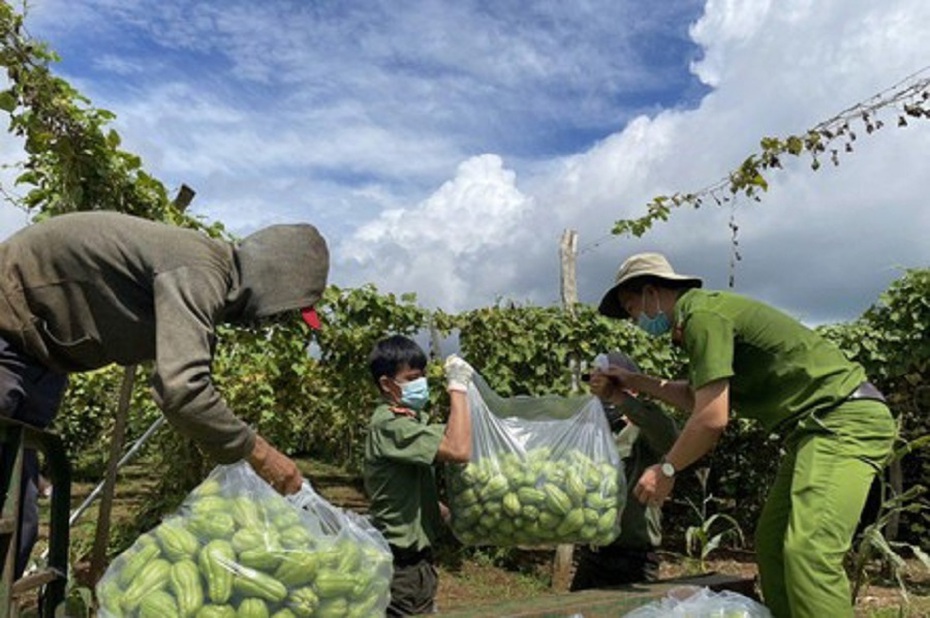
(455, 217)
(438, 247)
(822, 245)
(352, 115)
(725, 27)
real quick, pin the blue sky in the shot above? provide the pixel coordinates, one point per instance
(442, 147)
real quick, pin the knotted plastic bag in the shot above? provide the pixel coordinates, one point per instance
(237, 548)
(695, 602)
(544, 471)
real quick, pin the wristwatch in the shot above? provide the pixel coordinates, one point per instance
(668, 470)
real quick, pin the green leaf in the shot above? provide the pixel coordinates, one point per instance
(920, 555)
(7, 101)
(113, 139)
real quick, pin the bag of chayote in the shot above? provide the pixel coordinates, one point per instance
(237, 549)
(544, 471)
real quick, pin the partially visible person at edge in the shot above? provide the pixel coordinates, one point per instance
(743, 354)
(81, 291)
(401, 449)
(643, 433)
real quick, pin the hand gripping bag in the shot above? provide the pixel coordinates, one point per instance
(237, 549)
(544, 471)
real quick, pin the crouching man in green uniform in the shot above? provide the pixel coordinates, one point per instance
(744, 354)
(643, 433)
(400, 452)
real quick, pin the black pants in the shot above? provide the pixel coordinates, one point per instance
(32, 394)
(613, 566)
(413, 588)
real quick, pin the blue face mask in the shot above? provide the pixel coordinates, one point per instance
(414, 394)
(655, 326)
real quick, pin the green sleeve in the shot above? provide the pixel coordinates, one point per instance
(407, 440)
(657, 428)
(709, 342)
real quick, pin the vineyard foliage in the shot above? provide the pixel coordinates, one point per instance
(892, 341)
(310, 393)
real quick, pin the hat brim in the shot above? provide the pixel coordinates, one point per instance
(610, 304)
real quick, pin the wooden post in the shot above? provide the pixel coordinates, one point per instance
(435, 348)
(101, 538)
(568, 250)
(184, 197)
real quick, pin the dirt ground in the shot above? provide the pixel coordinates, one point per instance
(478, 581)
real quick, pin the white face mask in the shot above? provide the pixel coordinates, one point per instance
(414, 394)
(657, 325)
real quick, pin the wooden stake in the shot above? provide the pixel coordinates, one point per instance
(568, 251)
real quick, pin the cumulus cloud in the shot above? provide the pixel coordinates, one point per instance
(725, 27)
(440, 248)
(371, 121)
(822, 245)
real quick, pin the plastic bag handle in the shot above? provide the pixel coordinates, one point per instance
(307, 499)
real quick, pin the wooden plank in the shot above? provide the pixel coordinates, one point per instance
(98, 561)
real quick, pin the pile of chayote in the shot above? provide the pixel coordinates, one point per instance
(536, 499)
(245, 554)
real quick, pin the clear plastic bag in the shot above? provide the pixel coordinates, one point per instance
(237, 549)
(695, 602)
(544, 470)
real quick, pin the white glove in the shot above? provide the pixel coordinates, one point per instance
(458, 373)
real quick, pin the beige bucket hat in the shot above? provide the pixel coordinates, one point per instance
(641, 265)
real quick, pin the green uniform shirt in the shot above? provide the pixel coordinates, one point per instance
(400, 479)
(778, 368)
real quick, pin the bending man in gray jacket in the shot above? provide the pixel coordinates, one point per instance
(84, 290)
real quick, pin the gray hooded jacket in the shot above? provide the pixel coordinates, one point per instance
(84, 290)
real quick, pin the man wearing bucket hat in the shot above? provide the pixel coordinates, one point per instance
(767, 366)
(643, 433)
(81, 291)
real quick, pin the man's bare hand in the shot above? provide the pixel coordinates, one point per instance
(618, 376)
(653, 487)
(277, 469)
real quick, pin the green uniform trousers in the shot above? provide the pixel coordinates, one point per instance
(813, 508)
